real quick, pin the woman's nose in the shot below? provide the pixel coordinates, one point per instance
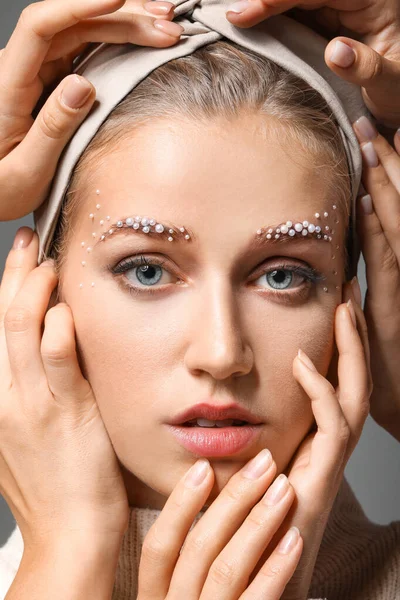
(217, 344)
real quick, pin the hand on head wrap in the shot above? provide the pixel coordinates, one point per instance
(372, 62)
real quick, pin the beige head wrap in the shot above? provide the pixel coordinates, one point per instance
(116, 69)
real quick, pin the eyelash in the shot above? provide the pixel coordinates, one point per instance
(311, 275)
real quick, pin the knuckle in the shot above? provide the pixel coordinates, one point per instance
(374, 66)
(222, 572)
(343, 434)
(195, 544)
(154, 552)
(18, 318)
(28, 17)
(257, 518)
(51, 124)
(231, 493)
(271, 571)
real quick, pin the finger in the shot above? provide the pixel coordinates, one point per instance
(247, 14)
(165, 538)
(352, 292)
(352, 370)
(229, 573)
(380, 77)
(19, 263)
(23, 327)
(381, 179)
(329, 443)
(278, 570)
(119, 28)
(60, 361)
(381, 262)
(31, 40)
(36, 157)
(229, 510)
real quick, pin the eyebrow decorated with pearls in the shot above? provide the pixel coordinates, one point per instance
(295, 229)
(146, 225)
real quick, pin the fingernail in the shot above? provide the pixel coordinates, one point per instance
(370, 155)
(366, 203)
(197, 472)
(342, 55)
(356, 289)
(23, 238)
(158, 8)
(277, 491)
(75, 92)
(365, 129)
(352, 313)
(398, 132)
(47, 263)
(168, 27)
(238, 7)
(290, 540)
(306, 360)
(258, 465)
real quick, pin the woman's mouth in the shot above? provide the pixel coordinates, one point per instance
(215, 438)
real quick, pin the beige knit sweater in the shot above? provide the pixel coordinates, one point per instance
(357, 560)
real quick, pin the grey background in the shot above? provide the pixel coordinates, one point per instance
(374, 468)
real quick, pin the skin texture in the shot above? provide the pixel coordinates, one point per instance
(217, 333)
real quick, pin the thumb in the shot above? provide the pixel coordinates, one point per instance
(357, 63)
(59, 118)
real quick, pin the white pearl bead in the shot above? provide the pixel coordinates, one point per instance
(289, 223)
(316, 215)
(97, 206)
(91, 216)
(278, 230)
(92, 283)
(311, 228)
(170, 239)
(292, 232)
(268, 236)
(129, 221)
(284, 229)
(82, 244)
(182, 229)
(277, 236)
(318, 229)
(304, 232)
(119, 223)
(187, 236)
(146, 229)
(93, 234)
(108, 218)
(98, 192)
(102, 237)
(83, 263)
(137, 218)
(298, 226)
(171, 231)
(152, 222)
(81, 285)
(259, 231)
(305, 223)
(101, 222)
(145, 221)
(159, 228)
(136, 226)
(89, 249)
(325, 214)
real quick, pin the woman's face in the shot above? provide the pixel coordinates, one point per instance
(230, 329)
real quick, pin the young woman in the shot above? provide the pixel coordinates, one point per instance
(222, 316)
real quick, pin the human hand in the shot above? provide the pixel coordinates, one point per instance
(369, 58)
(58, 471)
(317, 468)
(48, 37)
(236, 539)
(378, 224)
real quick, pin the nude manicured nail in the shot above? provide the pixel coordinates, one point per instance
(258, 465)
(277, 491)
(289, 541)
(238, 7)
(306, 360)
(76, 91)
(168, 27)
(365, 129)
(158, 8)
(370, 155)
(352, 312)
(23, 238)
(342, 55)
(366, 203)
(197, 473)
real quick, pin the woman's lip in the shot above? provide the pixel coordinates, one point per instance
(215, 441)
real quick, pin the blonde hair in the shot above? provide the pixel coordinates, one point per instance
(220, 80)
